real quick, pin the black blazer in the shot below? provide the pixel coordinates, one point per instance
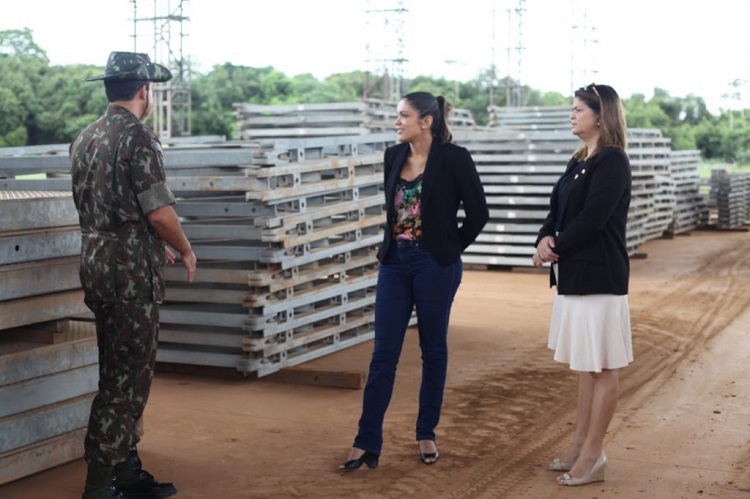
(450, 178)
(591, 244)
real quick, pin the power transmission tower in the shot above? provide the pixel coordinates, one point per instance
(513, 83)
(385, 57)
(493, 67)
(160, 33)
(584, 47)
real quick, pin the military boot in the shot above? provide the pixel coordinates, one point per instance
(99, 483)
(136, 483)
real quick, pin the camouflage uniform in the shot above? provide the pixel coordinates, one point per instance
(118, 178)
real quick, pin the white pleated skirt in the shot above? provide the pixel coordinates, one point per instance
(591, 332)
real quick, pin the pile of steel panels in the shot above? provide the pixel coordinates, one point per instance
(691, 209)
(729, 193)
(652, 203)
(518, 170)
(40, 246)
(285, 232)
(667, 197)
(46, 392)
(300, 120)
(529, 118)
(326, 120)
(520, 162)
(286, 229)
(381, 115)
(285, 238)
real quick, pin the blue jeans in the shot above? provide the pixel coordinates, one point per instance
(409, 276)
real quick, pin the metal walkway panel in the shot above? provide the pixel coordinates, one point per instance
(50, 421)
(39, 277)
(50, 389)
(41, 456)
(27, 210)
(40, 244)
(45, 360)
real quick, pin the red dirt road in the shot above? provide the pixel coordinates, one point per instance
(682, 429)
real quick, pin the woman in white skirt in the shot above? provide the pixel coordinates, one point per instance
(583, 238)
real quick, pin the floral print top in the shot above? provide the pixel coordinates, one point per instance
(407, 204)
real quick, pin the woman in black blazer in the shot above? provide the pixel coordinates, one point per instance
(584, 239)
(426, 179)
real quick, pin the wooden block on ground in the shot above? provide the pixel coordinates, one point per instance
(43, 336)
(306, 376)
(724, 229)
(57, 326)
(197, 370)
(51, 333)
(37, 309)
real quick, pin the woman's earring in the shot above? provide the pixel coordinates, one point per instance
(597, 123)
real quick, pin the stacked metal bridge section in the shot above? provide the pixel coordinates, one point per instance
(286, 235)
(730, 194)
(524, 151)
(286, 228)
(690, 207)
(255, 121)
(39, 252)
(46, 390)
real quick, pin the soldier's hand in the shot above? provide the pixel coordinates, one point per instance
(171, 257)
(189, 262)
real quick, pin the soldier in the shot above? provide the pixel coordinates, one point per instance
(126, 217)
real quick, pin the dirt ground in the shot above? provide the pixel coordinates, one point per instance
(682, 429)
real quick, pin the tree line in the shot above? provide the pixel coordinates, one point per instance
(45, 104)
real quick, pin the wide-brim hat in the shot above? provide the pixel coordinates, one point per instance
(132, 66)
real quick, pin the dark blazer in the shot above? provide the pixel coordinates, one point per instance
(450, 178)
(591, 244)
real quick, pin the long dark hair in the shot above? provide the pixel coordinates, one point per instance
(427, 104)
(606, 104)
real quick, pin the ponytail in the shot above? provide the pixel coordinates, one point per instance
(441, 130)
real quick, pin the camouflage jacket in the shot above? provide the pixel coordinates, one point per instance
(117, 169)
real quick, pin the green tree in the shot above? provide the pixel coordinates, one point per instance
(346, 86)
(41, 104)
(22, 66)
(19, 44)
(641, 113)
(12, 129)
(70, 103)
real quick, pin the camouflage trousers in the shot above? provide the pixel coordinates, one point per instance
(127, 334)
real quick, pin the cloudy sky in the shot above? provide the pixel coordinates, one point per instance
(683, 46)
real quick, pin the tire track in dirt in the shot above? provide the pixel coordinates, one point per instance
(500, 427)
(686, 318)
(531, 415)
(680, 321)
(741, 487)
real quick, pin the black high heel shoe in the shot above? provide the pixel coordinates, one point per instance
(429, 457)
(368, 458)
